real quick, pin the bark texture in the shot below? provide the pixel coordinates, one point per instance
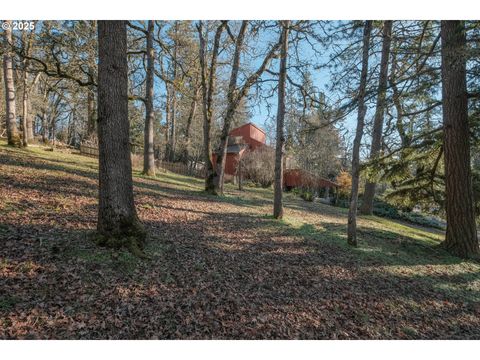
(10, 105)
(25, 110)
(461, 237)
(369, 194)
(352, 211)
(148, 147)
(280, 136)
(173, 116)
(90, 112)
(118, 224)
(188, 128)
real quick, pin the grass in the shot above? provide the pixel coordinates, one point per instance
(216, 260)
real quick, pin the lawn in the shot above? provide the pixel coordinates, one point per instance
(218, 267)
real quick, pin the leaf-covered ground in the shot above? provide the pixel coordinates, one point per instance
(219, 268)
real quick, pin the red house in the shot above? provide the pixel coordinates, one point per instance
(251, 137)
(297, 178)
(241, 139)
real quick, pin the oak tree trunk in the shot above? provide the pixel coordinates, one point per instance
(148, 147)
(25, 109)
(10, 106)
(218, 180)
(280, 138)
(369, 194)
(208, 90)
(44, 127)
(90, 113)
(461, 237)
(352, 211)
(173, 116)
(188, 128)
(167, 122)
(118, 224)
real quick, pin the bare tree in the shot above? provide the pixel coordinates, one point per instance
(234, 97)
(280, 140)
(173, 117)
(118, 224)
(369, 194)
(11, 117)
(148, 134)
(461, 237)
(191, 116)
(208, 76)
(362, 109)
(148, 156)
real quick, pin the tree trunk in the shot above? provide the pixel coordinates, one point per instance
(173, 116)
(118, 224)
(90, 113)
(352, 212)
(207, 94)
(173, 123)
(25, 94)
(461, 237)
(148, 146)
(369, 194)
(240, 174)
(188, 128)
(29, 118)
(10, 108)
(25, 109)
(53, 130)
(280, 140)
(231, 108)
(167, 122)
(44, 127)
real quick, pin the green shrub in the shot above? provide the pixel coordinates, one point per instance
(307, 195)
(386, 210)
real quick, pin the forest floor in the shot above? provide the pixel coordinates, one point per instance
(219, 268)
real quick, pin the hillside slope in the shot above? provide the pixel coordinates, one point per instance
(219, 267)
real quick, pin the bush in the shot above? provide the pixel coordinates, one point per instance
(344, 181)
(384, 209)
(258, 166)
(307, 195)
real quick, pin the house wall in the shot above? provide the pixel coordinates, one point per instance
(251, 135)
(230, 162)
(298, 178)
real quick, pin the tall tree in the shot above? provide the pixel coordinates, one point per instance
(208, 77)
(234, 98)
(10, 103)
(369, 194)
(118, 224)
(280, 138)
(27, 127)
(25, 136)
(148, 156)
(188, 127)
(173, 116)
(461, 237)
(362, 109)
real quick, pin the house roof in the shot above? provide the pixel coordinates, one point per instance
(252, 124)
